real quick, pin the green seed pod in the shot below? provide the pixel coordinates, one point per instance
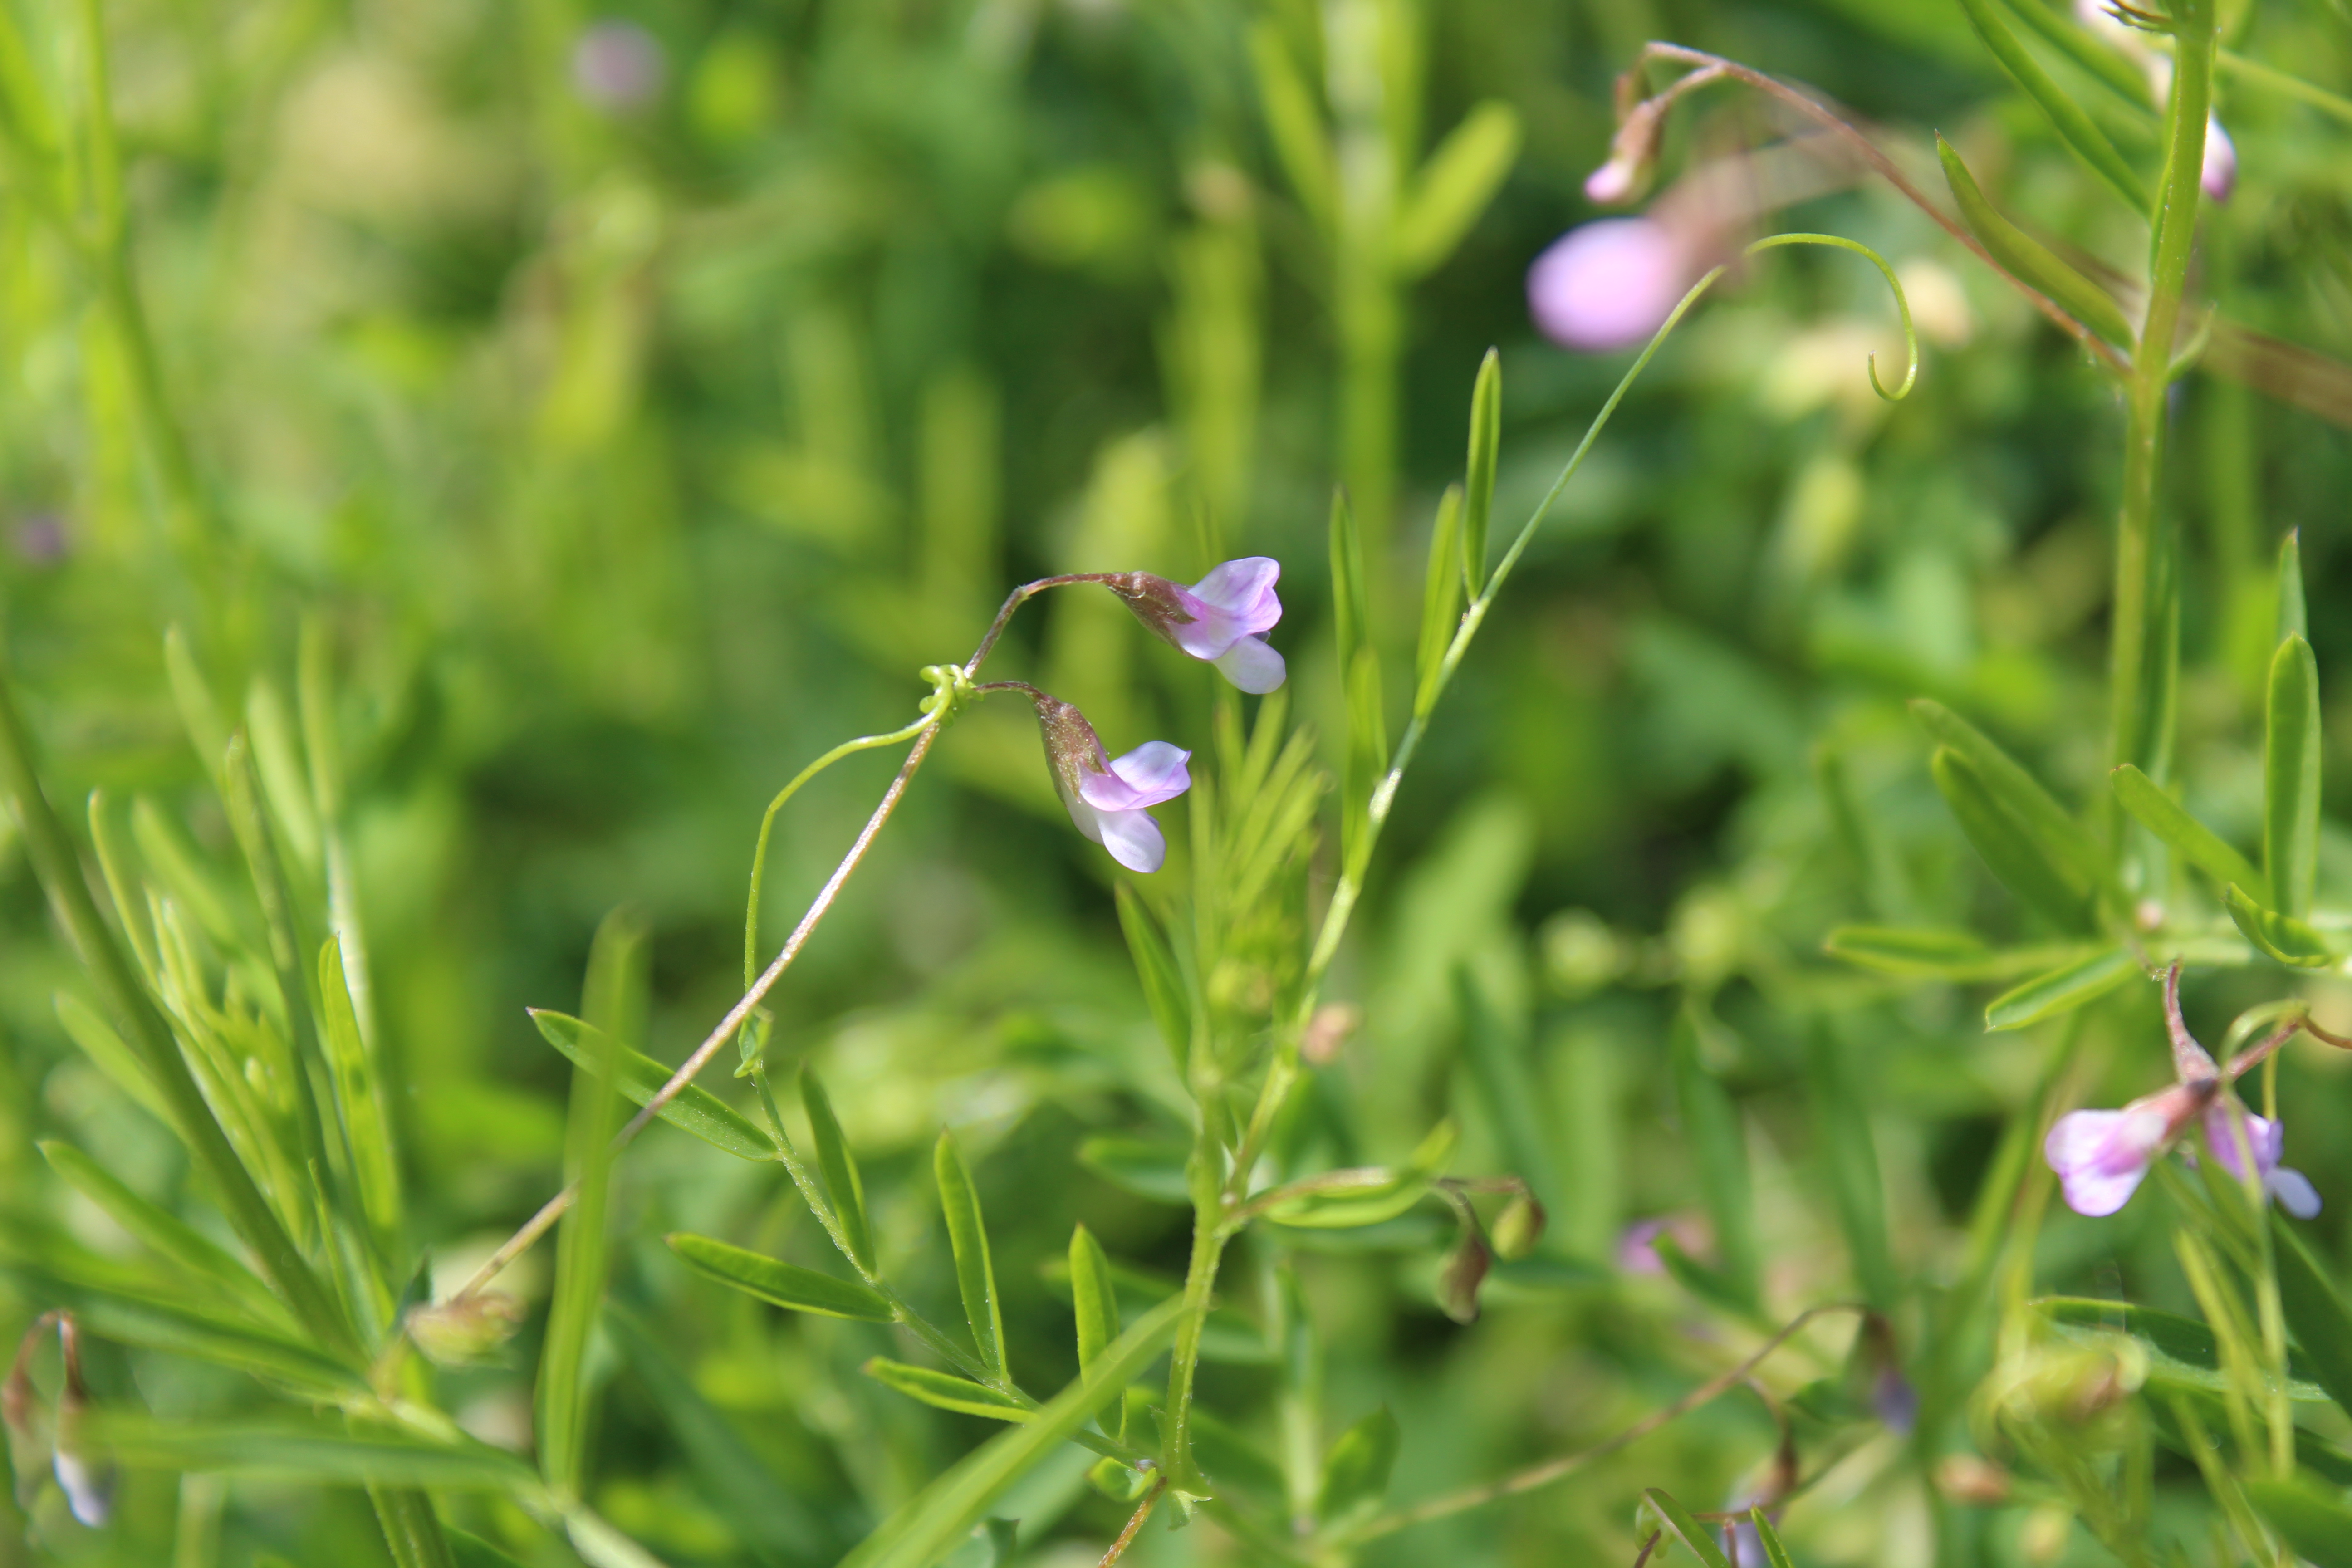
(2030, 259)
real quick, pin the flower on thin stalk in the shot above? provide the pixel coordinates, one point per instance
(1609, 284)
(2102, 1156)
(1107, 798)
(1221, 619)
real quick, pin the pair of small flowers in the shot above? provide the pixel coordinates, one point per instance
(2100, 1157)
(1223, 620)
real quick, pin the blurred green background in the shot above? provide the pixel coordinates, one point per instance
(633, 399)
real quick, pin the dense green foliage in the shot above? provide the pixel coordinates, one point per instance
(542, 435)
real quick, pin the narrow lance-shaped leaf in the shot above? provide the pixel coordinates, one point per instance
(2061, 990)
(1164, 983)
(2288, 939)
(841, 1182)
(2314, 1521)
(968, 1238)
(1295, 126)
(2185, 836)
(779, 1283)
(319, 1450)
(945, 1389)
(161, 1232)
(1775, 1554)
(1344, 1200)
(2058, 107)
(694, 1109)
(2290, 746)
(1718, 1150)
(366, 1128)
(1931, 953)
(1368, 759)
(1696, 1538)
(2013, 857)
(99, 1042)
(1478, 476)
(1095, 1296)
(1350, 605)
(939, 1515)
(200, 711)
(1456, 184)
(1356, 1475)
(2293, 620)
(2075, 854)
(614, 1001)
(1842, 1125)
(2181, 1352)
(1441, 601)
(2028, 260)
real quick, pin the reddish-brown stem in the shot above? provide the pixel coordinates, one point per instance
(2192, 1063)
(1828, 119)
(1134, 1525)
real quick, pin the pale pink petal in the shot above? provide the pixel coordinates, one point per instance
(2100, 1157)
(2267, 1140)
(1243, 589)
(1251, 666)
(2219, 174)
(1085, 817)
(2294, 1191)
(1155, 770)
(1134, 840)
(1609, 284)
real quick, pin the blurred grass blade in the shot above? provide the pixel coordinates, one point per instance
(1345, 1200)
(1460, 177)
(694, 1110)
(1355, 1475)
(58, 866)
(841, 1182)
(968, 1236)
(162, 1233)
(613, 1000)
(322, 1448)
(2291, 750)
(367, 1127)
(472, 1552)
(1696, 1538)
(780, 1284)
(2316, 1523)
(943, 1513)
(1095, 1296)
(2190, 840)
(104, 1047)
(2289, 941)
(2314, 1311)
(1350, 602)
(1498, 1058)
(1775, 1554)
(1368, 759)
(285, 777)
(1478, 474)
(2093, 55)
(1441, 601)
(1717, 1148)
(2293, 619)
(200, 711)
(2016, 860)
(2029, 260)
(2021, 794)
(1164, 983)
(1148, 1167)
(1841, 1124)
(2065, 116)
(1294, 125)
(946, 1390)
(2061, 990)
(600, 1545)
(1928, 953)
(764, 1511)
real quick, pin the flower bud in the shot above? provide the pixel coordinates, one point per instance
(1518, 1228)
(1221, 619)
(1458, 1281)
(1608, 285)
(464, 1328)
(1106, 798)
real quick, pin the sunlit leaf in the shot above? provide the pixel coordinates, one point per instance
(1775, 1554)
(946, 1390)
(694, 1110)
(367, 1129)
(1455, 186)
(163, 1233)
(1441, 601)
(2291, 750)
(1697, 1538)
(2281, 937)
(783, 1284)
(968, 1238)
(1926, 953)
(2061, 990)
(1094, 1295)
(321, 1449)
(2030, 259)
(2017, 858)
(1348, 1199)
(2183, 834)
(2293, 618)
(1479, 475)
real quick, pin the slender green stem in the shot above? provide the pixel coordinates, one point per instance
(2144, 650)
(1199, 1282)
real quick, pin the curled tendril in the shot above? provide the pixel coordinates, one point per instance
(1910, 335)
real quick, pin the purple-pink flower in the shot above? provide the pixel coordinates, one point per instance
(1609, 284)
(2219, 174)
(2100, 1157)
(1108, 798)
(1221, 619)
(2266, 1141)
